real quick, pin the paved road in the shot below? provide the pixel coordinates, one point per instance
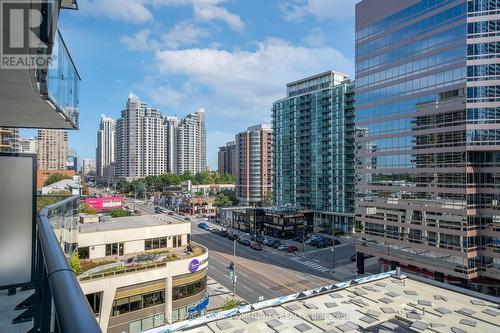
(259, 273)
(139, 205)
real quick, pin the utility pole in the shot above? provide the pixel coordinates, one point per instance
(333, 246)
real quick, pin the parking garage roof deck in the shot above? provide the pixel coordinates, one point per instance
(130, 222)
(378, 303)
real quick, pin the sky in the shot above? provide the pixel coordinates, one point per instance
(231, 57)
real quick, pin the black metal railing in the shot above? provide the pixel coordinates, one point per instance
(60, 303)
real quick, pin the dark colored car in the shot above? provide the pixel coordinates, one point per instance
(232, 237)
(170, 213)
(244, 242)
(260, 238)
(271, 242)
(292, 249)
(256, 246)
(187, 219)
(224, 233)
(316, 240)
(325, 242)
(276, 244)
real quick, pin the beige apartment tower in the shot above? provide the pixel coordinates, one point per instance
(253, 174)
(52, 149)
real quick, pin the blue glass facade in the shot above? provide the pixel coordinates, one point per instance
(313, 149)
(428, 137)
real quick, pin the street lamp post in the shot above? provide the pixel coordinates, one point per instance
(234, 262)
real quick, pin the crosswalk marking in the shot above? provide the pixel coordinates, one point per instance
(310, 264)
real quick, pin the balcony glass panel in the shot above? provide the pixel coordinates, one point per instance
(63, 80)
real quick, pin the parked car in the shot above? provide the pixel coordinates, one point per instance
(259, 238)
(170, 213)
(292, 249)
(256, 246)
(268, 242)
(271, 242)
(316, 240)
(215, 230)
(187, 219)
(232, 237)
(311, 238)
(244, 242)
(224, 233)
(203, 226)
(283, 247)
(325, 242)
(276, 244)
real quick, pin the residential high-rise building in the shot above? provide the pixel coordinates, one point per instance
(105, 151)
(28, 145)
(192, 143)
(9, 140)
(140, 141)
(52, 149)
(313, 149)
(253, 173)
(170, 125)
(226, 159)
(429, 153)
(88, 166)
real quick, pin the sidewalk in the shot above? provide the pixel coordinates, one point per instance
(218, 294)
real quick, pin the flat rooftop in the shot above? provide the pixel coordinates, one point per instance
(130, 222)
(380, 303)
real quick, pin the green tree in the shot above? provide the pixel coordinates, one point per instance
(86, 209)
(74, 263)
(118, 213)
(230, 303)
(54, 178)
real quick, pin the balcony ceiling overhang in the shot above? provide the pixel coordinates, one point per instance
(21, 106)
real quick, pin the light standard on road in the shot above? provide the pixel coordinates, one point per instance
(234, 262)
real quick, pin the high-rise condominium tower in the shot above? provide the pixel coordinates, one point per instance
(428, 110)
(105, 151)
(140, 140)
(313, 149)
(226, 159)
(171, 124)
(149, 144)
(192, 143)
(253, 174)
(9, 140)
(52, 149)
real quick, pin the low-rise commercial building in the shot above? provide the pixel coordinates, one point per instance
(198, 206)
(142, 272)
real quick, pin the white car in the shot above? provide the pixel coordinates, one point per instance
(283, 247)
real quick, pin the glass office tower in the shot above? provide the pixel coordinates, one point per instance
(428, 125)
(313, 149)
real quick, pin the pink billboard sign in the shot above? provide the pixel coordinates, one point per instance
(105, 203)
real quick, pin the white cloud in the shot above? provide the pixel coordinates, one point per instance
(136, 11)
(132, 11)
(337, 10)
(183, 33)
(209, 12)
(138, 41)
(242, 85)
(315, 38)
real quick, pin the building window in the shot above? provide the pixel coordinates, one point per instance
(114, 249)
(138, 302)
(83, 252)
(155, 243)
(177, 241)
(187, 290)
(94, 300)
